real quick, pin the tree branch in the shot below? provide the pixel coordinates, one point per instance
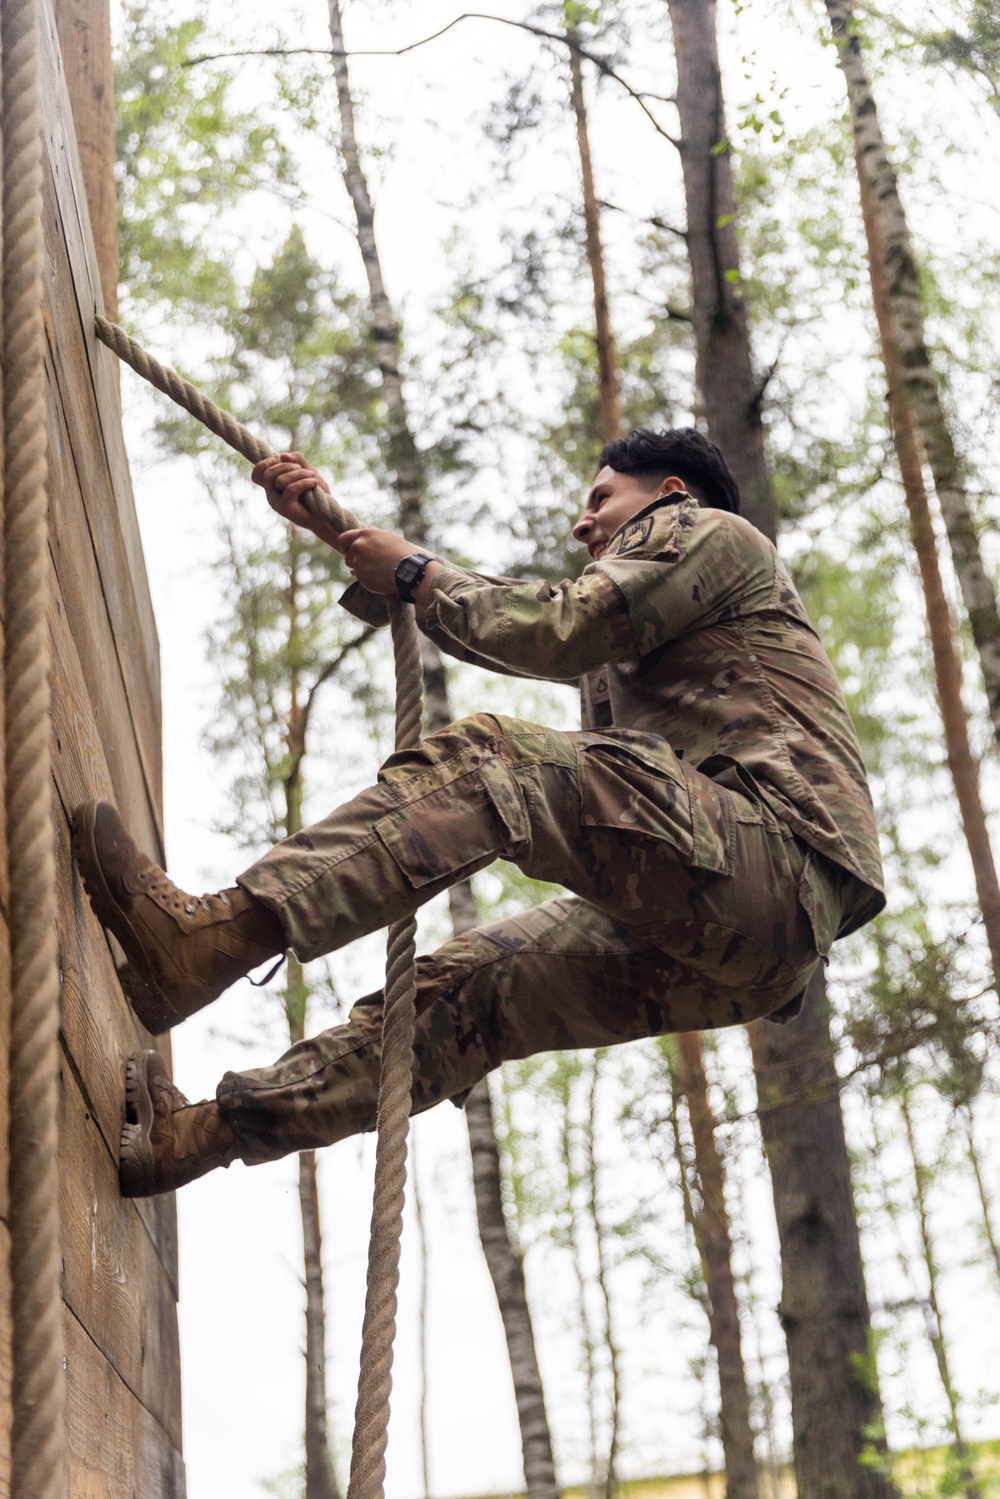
(653, 219)
(330, 669)
(600, 63)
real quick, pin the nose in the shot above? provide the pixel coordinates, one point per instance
(583, 527)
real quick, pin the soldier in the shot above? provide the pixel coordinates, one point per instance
(712, 820)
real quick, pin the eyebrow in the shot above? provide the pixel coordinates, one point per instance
(596, 489)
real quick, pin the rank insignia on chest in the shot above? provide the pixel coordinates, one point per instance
(635, 535)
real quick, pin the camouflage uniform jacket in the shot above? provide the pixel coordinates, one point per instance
(689, 629)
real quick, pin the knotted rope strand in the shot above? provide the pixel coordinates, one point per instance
(38, 1449)
(371, 1419)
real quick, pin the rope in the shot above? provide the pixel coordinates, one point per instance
(371, 1418)
(38, 1451)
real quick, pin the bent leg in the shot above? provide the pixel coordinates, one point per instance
(563, 975)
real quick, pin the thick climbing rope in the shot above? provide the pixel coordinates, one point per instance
(38, 1451)
(371, 1420)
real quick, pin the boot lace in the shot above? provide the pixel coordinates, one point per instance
(159, 887)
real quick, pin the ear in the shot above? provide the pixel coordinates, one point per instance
(672, 485)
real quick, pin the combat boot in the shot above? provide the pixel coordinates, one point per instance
(181, 950)
(166, 1141)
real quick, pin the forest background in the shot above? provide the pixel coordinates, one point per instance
(240, 265)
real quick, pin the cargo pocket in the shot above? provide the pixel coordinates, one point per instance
(635, 784)
(821, 897)
(469, 814)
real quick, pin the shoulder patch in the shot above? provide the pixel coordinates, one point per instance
(635, 535)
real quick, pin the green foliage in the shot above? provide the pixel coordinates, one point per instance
(185, 155)
(974, 49)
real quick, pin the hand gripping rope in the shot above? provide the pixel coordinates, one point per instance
(371, 1420)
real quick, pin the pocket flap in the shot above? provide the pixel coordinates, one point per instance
(635, 784)
(471, 819)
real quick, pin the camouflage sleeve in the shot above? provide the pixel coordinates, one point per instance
(665, 573)
(531, 629)
(683, 568)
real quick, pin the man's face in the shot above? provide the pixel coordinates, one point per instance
(613, 499)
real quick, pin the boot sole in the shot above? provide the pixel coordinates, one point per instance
(137, 978)
(136, 1159)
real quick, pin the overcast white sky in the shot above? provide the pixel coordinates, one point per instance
(241, 1299)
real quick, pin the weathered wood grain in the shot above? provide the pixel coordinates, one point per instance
(79, 295)
(99, 1027)
(117, 1450)
(134, 773)
(85, 44)
(82, 461)
(119, 1257)
(113, 1279)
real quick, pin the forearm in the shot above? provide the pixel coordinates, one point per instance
(530, 629)
(422, 592)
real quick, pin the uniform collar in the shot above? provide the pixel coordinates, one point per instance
(676, 497)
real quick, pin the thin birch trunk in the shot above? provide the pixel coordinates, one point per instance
(715, 1247)
(730, 390)
(506, 1268)
(603, 1279)
(608, 378)
(321, 1480)
(502, 1255)
(985, 1204)
(922, 385)
(944, 648)
(825, 1311)
(573, 1241)
(932, 1306)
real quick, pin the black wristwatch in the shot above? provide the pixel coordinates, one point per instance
(409, 573)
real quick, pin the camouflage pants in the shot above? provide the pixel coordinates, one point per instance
(695, 908)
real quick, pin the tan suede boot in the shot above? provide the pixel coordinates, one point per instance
(182, 950)
(166, 1141)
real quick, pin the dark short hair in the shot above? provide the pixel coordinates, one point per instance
(681, 451)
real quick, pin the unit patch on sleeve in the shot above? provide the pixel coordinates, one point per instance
(635, 535)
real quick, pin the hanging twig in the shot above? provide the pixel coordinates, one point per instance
(600, 63)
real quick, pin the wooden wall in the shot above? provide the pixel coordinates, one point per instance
(119, 1258)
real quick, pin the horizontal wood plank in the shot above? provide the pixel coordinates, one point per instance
(68, 376)
(83, 285)
(113, 1280)
(81, 601)
(117, 1450)
(99, 1026)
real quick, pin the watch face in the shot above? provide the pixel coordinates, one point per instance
(408, 570)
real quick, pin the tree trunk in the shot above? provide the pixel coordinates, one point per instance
(321, 1480)
(608, 382)
(827, 1321)
(507, 1271)
(502, 1255)
(932, 1306)
(404, 456)
(985, 1204)
(729, 388)
(923, 388)
(944, 649)
(603, 1281)
(711, 1224)
(824, 1307)
(573, 1242)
